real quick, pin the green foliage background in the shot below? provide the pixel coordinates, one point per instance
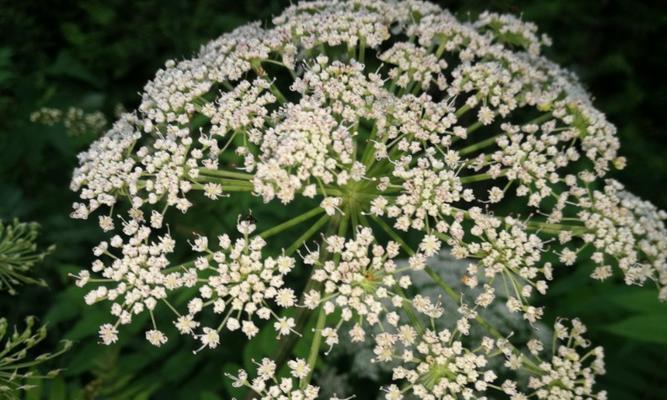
(96, 54)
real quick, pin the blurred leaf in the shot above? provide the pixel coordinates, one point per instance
(57, 389)
(262, 345)
(5, 65)
(87, 325)
(101, 13)
(650, 328)
(85, 356)
(639, 300)
(72, 33)
(67, 65)
(209, 396)
(37, 389)
(66, 305)
(178, 365)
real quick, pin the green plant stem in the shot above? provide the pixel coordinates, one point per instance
(292, 222)
(577, 230)
(225, 173)
(225, 188)
(441, 49)
(279, 95)
(362, 49)
(480, 145)
(472, 128)
(315, 346)
(321, 318)
(441, 282)
(481, 177)
(306, 235)
(462, 110)
(367, 157)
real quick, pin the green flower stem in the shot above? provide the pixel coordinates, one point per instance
(276, 62)
(306, 235)
(270, 232)
(315, 346)
(279, 95)
(342, 230)
(409, 310)
(393, 235)
(292, 222)
(225, 173)
(256, 65)
(545, 227)
(321, 318)
(462, 110)
(538, 120)
(184, 265)
(241, 180)
(472, 128)
(362, 49)
(480, 177)
(436, 278)
(407, 307)
(230, 188)
(555, 229)
(480, 145)
(443, 285)
(285, 346)
(224, 181)
(367, 157)
(441, 49)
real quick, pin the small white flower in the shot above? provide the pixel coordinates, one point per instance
(212, 190)
(209, 338)
(331, 205)
(186, 324)
(156, 338)
(108, 334)
(299, 368)
(284, 326)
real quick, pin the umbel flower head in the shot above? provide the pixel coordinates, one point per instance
(18, 362)
(409, 132)
(19, 253)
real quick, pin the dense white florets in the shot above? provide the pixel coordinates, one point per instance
(409, 132)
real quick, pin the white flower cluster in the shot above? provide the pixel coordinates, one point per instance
(435, 365)
(505, 251)
(358, 281)
(414, 65)
(567, 375)
(626, 232)
(133, 279)
(408, 132)
(76, 120)
(442, 365)
(239, 283)
(269, 386)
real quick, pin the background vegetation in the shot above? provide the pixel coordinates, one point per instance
(97, 55)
